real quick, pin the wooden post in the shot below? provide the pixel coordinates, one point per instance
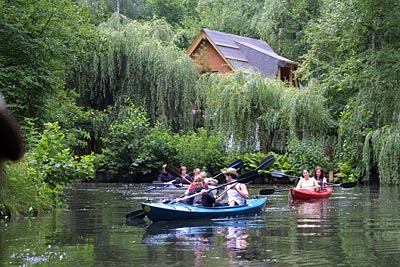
(330, 176)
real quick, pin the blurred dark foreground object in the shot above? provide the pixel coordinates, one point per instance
(11, 146)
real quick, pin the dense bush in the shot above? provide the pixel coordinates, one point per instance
(201, 150)
(307, 154)
(35, 183)
(133, 148)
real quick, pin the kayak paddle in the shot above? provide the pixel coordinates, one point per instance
(279, 174)
(270, 191)
(342, 185)
(138, 214)
(246, 177)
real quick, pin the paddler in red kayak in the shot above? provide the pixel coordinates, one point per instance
(307, 182)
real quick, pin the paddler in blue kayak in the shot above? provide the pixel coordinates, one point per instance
(205, 199)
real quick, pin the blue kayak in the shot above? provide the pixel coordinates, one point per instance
(182, 211)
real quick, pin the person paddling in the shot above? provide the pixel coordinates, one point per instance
(320, 176)
(237, 192)
(205, 199)
(185, 178)
(307, 182)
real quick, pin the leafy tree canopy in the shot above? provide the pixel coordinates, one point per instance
(38, 41)
(142, 64)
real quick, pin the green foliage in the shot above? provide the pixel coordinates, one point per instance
(305, 113)
(134, 9)
(228, 16)
(52, 159)
(283, 23)
(348, 172)
(352, 132)
(247, 101)
(141, 61)
(354, 55)
(39, 40)
(307, 154)
(201, 150)
(123, 151)
(34, 184)
(282, 164)
(73, 120)
(351, 68)
(134, 148)
(26, 193)
(382, 152)
(259, 110)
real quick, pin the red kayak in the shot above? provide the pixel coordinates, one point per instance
(310, 193)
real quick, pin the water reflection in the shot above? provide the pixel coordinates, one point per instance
(357, 227)
(236, 244)
(201, 237)
(313, 216)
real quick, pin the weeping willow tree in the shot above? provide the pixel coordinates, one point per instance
(372, 125)
(139, 62)
(355, 53)
(382, 146)
(256, 110)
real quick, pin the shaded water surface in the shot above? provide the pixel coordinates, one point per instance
(356, 227)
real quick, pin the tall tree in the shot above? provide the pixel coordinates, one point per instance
(354, 54)
(228, 16)
(259, 110)
(141, 65)
(39, 40)
(283, 23)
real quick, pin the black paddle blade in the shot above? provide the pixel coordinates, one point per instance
(173, 170)
(343, 185)
(266, 163)
(247, 177)
(348, 185)
(267, 191)
(277, 174)
(138, 214)
(237, 164)
(150, 189)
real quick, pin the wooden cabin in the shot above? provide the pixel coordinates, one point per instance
(222, 52)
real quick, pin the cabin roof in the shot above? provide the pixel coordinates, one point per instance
(242, 52)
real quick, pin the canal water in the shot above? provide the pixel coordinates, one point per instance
(354, 227)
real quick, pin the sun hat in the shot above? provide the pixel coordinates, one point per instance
(230, 171)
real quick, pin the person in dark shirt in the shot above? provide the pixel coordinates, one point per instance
(185, 178)
(320, 176)
(164, 176)
(201, 196)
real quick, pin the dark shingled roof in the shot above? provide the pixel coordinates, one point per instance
(247, 53)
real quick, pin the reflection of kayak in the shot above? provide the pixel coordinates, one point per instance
(182, 211)
(195, 233)
(310, 193)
